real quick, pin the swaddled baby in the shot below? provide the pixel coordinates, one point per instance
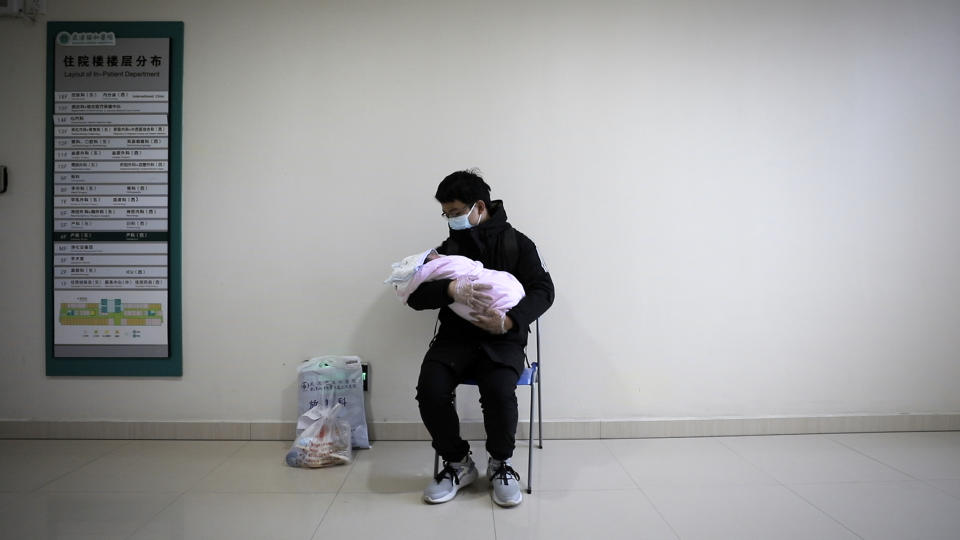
(410, 272)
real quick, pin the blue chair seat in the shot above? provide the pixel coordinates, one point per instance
(526, 378)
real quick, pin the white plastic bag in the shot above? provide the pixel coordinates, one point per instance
(325, 380)
(325, 440)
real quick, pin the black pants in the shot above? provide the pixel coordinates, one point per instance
(442, 370)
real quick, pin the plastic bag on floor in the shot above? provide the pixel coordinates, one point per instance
(335, 379)
(325, 440)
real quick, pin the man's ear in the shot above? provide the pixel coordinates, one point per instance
(481, 207)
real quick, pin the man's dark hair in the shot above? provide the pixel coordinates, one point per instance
(466, 186)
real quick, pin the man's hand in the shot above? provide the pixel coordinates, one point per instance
(466, 291)
(492, 321)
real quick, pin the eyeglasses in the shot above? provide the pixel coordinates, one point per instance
(455, 213)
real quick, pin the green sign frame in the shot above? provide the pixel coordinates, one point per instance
(171, 365)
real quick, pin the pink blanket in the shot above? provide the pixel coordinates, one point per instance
(505, 289)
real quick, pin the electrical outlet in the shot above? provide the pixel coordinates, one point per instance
(32, 8)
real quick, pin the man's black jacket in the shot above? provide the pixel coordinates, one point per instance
(486, 243)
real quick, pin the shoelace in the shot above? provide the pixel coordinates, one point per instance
(504, 472)
(448, 472)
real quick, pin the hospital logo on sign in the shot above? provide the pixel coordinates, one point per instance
(69, 39)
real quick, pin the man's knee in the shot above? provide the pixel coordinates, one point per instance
(431, 395)
(499, 393)
(434, 386)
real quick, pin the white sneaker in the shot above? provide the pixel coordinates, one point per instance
(450, 479)
(505, 482)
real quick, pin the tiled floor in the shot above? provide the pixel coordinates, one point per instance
(873, 485)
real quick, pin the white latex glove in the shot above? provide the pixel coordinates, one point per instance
(492, 321)
(470, 293)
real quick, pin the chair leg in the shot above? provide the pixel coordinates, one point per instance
(539, 393)
(530, 442)
(540, 408)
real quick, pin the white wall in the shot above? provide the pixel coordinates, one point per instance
(748, 208)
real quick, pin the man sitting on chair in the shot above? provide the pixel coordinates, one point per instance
(488, 350)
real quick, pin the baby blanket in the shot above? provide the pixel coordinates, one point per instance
(409, 273)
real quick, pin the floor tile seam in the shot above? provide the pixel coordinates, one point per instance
(353, 463)
(855, 482)
(156, 514)
(326, 511)
(398, 493)
(256, 492)
(185, 492)
(535, 491)
(898, 437)
(938, 488)
(749, 462)
(216, 468)
(371, 492)
(616, 458)
(659, 512)
(101, 492)
(123, 442)
(493, 513)
(868, 456)
(822, 511)
(478, 490)
(587, 490)
(333, 501)
(784, 482)
(884, 482)
(705, 485)
(639, 487)
(77, 468)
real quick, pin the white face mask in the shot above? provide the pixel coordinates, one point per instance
(461, 222)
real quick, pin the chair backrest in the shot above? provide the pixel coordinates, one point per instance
(536, 330)
(531, 373)
(537, 324)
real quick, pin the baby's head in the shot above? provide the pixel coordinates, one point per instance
(433, 255)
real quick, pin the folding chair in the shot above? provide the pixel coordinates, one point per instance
(530, 377)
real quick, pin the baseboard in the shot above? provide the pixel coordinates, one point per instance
(552, 429)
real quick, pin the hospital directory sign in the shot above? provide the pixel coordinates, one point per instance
(113, 186)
